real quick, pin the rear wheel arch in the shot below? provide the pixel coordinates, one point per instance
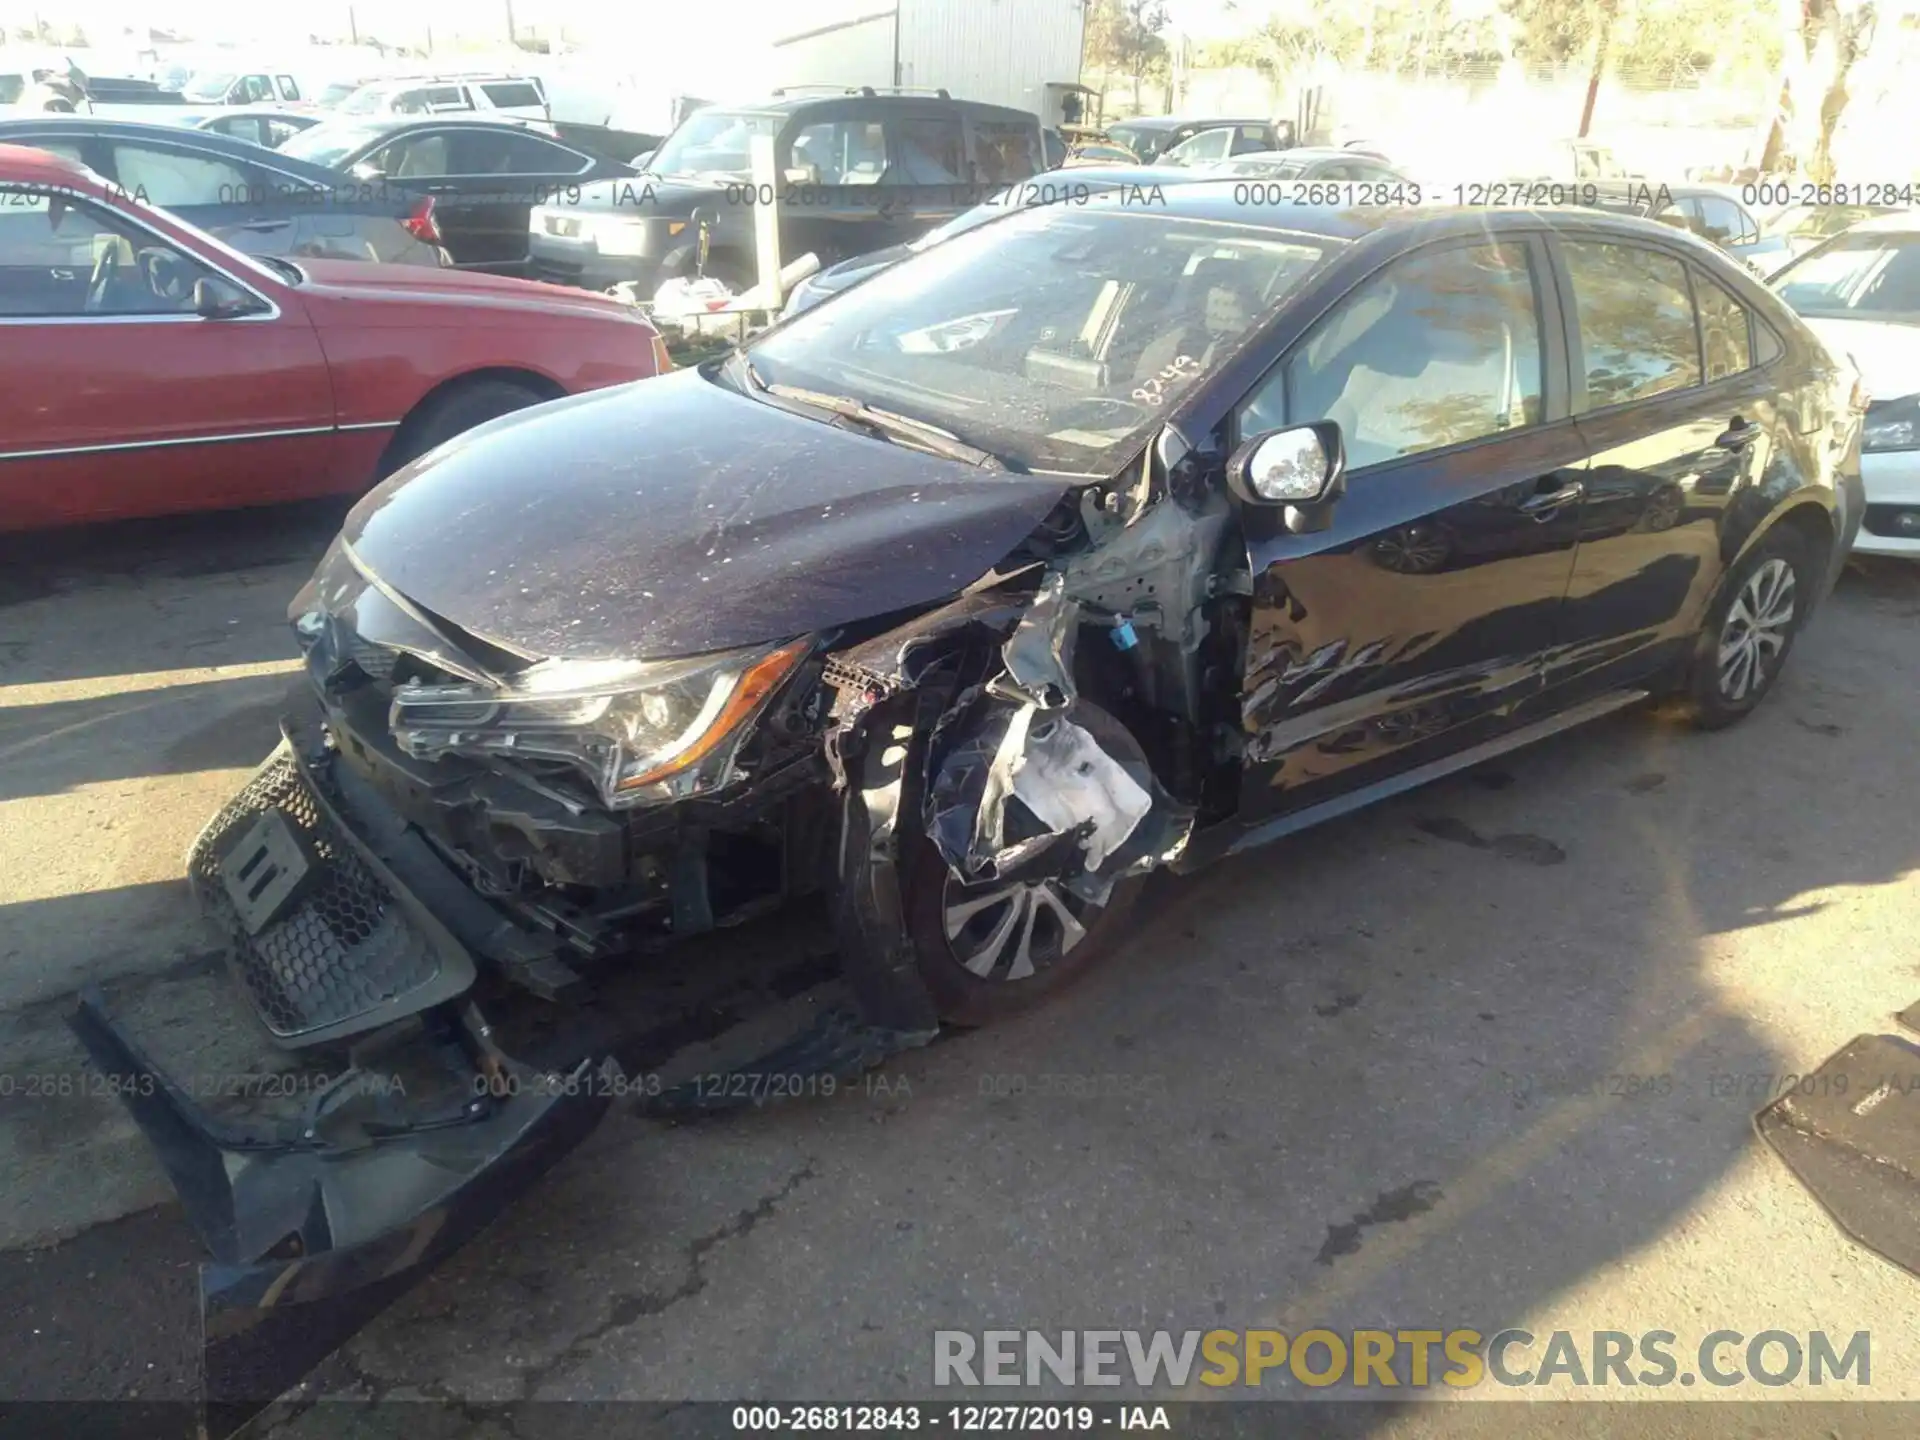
(417, 423)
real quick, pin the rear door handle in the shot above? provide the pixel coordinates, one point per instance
(1547, 503)
(1738, 435)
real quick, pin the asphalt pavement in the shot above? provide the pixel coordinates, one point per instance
(1483, 1056)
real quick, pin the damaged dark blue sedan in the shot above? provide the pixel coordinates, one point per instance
(1102, 539)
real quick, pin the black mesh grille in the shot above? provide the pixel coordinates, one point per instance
(344, 949)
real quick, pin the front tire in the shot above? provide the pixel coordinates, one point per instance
(1750, 630)
(992, 950)
(458, 411)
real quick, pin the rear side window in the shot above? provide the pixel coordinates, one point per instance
(1438, 349)
(1249, 138)
(930, 151)
(514, 154)
(1005, 152)
(1725, 331)
(175, 179)
(1635, 314)
(511, 94)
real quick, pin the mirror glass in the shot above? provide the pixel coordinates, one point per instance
(1290, 466)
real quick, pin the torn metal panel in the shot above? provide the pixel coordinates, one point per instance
(1065, 778)
(1038, 656)
(1082, 812)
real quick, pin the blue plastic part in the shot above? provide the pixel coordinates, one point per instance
(1123, 636)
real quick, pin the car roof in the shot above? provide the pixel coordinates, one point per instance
(1309, 152)
(462, 121)
(777, 104)
(211, 142)
(23, 163)
(1215, 200)
(1896, 223)
(1173, 122)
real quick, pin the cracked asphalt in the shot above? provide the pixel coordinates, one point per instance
(1483, 1056)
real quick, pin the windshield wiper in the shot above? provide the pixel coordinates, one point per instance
(884, 423)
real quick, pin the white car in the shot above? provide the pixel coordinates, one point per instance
(520, 97)
(1860, 291)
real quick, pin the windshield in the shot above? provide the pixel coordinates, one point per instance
(1055, 339)
(1142, 142)
(209, 87)
(330, 144)
(364, 100)
(1855, 275)
(712, 142)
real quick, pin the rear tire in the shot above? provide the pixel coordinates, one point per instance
(1749, 632)
(456, 412)
(989, 951)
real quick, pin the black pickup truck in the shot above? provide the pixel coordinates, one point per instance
(859, 170)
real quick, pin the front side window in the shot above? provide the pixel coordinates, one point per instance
(418, 157)
(66, 258)
(1635, 315)
(838, 152)
(1440, 348)
(509, 96)
(1202, 149)
(256, 89)
(288, 89)
(1722, 221)
(514, 154)
(1055, 337)
(1250, 138)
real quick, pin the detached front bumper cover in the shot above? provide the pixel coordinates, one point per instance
(314, 1231)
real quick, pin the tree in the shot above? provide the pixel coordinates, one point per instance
(1823, 40)
(1123, 37)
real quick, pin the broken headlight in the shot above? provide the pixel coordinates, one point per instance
(642, 732)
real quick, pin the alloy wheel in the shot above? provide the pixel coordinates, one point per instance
(1010, 930)
(1754, 636)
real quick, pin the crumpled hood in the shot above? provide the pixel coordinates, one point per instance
(674, 516)
(1888, 355)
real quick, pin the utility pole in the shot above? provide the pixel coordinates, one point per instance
(353, 26)
(513, 31)
(1609, 12)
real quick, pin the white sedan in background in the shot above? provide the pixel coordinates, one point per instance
(1860, 291)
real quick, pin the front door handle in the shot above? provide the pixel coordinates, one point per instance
(1738, 435)
(1548, 503)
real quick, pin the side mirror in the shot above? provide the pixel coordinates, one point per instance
(215, 301)
(1303, 469)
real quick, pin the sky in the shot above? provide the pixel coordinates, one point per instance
(667, 24)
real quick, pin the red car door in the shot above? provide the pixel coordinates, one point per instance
(141, 376)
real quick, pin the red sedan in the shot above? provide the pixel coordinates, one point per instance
(146, 368)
